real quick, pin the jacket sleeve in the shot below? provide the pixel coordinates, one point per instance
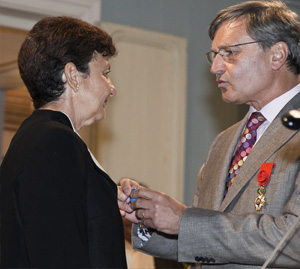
(159, 245)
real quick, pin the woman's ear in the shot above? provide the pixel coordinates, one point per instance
(279, 54)
(72, 76)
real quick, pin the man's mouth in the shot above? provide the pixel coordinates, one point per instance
(220, 82)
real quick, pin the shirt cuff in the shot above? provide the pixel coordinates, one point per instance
(143, 233)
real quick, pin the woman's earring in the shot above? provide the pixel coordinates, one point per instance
(77, 88)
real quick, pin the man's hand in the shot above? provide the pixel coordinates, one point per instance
(158, 210)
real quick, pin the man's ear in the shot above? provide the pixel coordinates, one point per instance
(279, 54)
(72, 76)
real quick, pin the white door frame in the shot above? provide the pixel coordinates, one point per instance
(23, 15)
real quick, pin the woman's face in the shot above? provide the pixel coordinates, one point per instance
(94, 91)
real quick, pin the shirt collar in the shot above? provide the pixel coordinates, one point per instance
(271, 110)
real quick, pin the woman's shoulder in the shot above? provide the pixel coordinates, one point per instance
(49, 129)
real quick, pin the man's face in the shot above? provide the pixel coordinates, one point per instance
(247, 79)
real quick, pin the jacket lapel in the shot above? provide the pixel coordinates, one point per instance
(273, 138)
(218, 163)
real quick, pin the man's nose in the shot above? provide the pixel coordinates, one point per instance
(218, 65)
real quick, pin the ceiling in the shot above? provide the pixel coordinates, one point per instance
(10, 43)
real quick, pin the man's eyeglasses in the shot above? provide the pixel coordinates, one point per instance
(225, 52)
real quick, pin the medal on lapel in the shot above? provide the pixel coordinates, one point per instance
(263, 178)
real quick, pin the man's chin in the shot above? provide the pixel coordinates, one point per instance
(228, 99)
(225, 96)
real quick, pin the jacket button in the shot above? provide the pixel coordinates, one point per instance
(206, 259)
(212, 260)
(199, 259)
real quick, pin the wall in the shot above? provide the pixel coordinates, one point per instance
(206, 113)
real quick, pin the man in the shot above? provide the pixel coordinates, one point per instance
(245, 202)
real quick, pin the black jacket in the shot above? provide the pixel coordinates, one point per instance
(58, 208)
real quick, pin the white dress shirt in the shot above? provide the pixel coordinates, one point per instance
(271, 110)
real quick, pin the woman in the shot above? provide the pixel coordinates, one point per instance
(59, 208)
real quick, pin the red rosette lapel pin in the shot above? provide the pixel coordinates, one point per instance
(263, 178)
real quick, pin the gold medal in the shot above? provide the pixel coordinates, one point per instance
(260, 199)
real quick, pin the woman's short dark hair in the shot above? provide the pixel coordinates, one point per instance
(50, 45)
(267, 22)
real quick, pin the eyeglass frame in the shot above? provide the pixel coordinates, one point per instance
(211, 55)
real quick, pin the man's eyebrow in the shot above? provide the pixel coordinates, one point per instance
(219, 48)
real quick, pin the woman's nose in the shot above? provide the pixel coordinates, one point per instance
(113, 90)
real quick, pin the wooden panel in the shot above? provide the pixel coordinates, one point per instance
(18, 107)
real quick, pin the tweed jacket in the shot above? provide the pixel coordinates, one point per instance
(229, 232)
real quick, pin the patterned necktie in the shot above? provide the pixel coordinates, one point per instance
(244, 147)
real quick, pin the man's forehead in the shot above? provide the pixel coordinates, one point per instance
(229, 32)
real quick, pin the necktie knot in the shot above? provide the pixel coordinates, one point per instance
(255, 120)
(250, 131)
